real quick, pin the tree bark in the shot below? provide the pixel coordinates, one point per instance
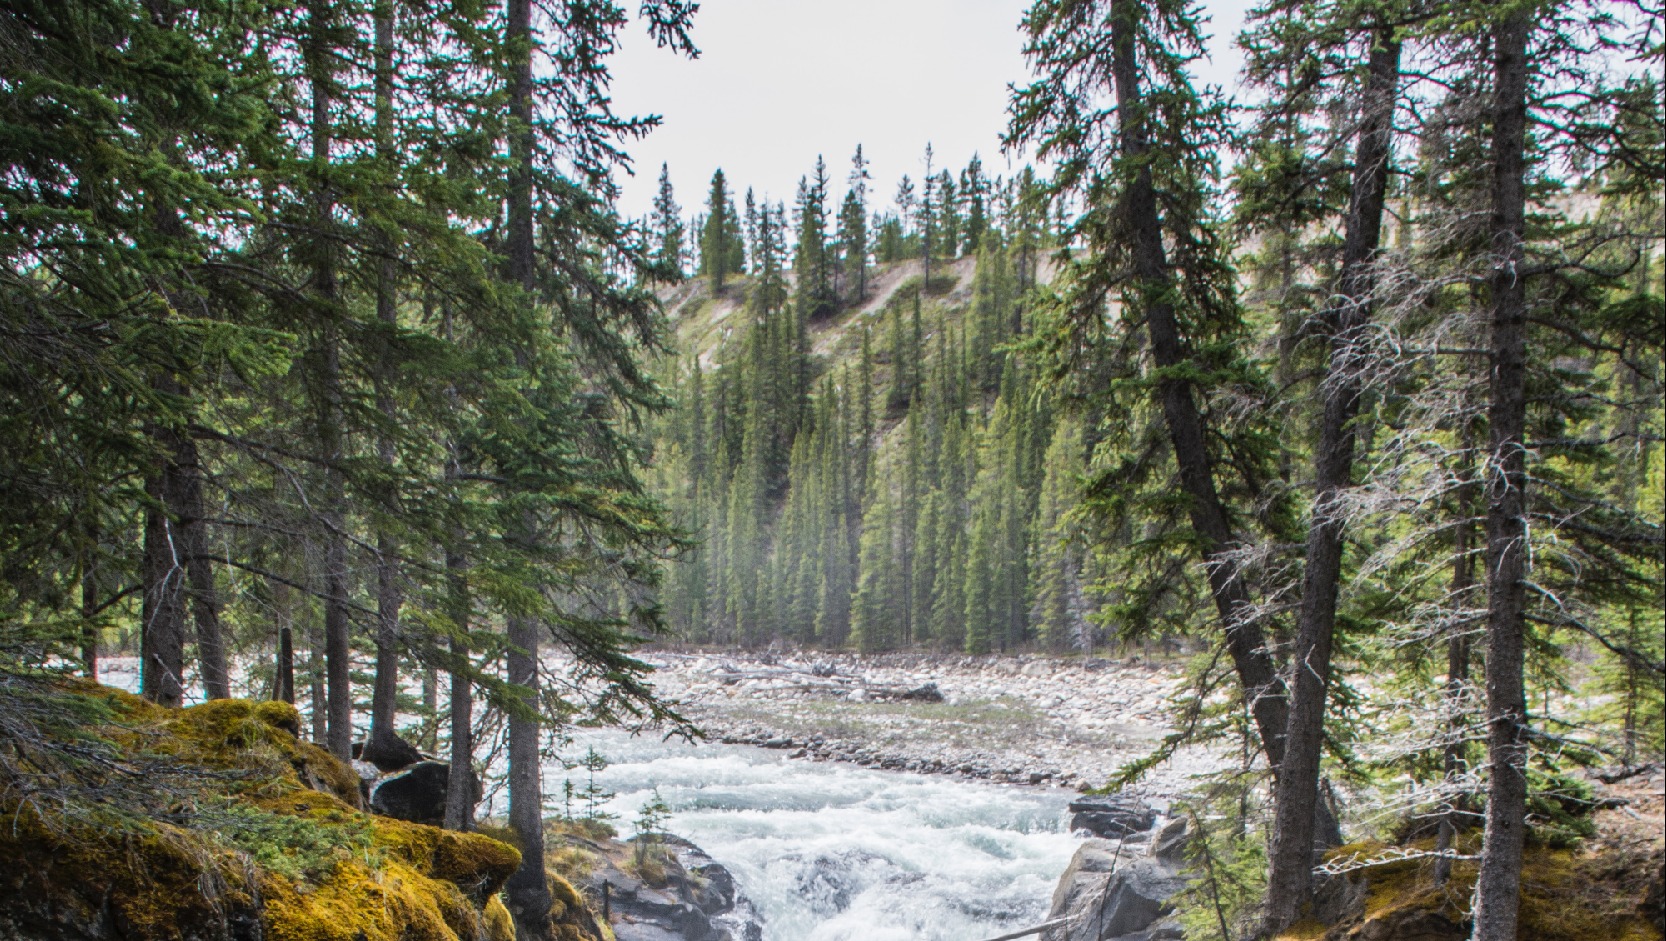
(389, 598)
(325, 289)
(1498, 890)
(459, 795)
(162, 628)
(1263, 689)
(528, 889)
(1289, 883)
(205, 598)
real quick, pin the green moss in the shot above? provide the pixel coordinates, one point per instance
(251, 824)
(294, 846)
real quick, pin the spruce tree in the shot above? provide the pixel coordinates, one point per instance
(667, 227)
(716, 231)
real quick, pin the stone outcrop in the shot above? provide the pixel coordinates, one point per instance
(680, 894)
(1111, 818)
(1122, 889)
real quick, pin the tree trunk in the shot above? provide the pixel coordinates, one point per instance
(1455, 756)
(283, 683)
(459, 796)
(1498, 890)
(389, 598)
(528, 889)
(205, 599)
(1289, 882)
(1263, 689)
(337, 639)
(162, 628)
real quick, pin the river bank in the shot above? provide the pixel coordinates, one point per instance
(1054, 722)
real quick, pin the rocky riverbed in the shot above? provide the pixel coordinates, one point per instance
(1062, 722)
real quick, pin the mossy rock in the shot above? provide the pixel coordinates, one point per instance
(257, 835)
(64, 881)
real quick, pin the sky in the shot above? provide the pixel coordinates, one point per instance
(780, 81)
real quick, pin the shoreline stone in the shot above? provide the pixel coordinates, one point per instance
(1074, 721)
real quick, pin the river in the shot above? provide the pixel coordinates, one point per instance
(833, 852)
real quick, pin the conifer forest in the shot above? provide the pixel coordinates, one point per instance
(336, 372)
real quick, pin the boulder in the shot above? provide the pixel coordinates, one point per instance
(1121, 891)
(693, 898)
(388, 753)
(1168, 842)
(1110, 817)
(416, 794)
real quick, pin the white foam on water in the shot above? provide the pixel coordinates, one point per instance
(832, 852)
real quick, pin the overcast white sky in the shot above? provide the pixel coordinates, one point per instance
(780, 81)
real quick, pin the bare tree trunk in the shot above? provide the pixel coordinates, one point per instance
(283, 682)
(528, 889)
(1262, 687)
(162, 628)
(1498, 890)
(383, 738)
(337, 639)
(1289, 882)
(205, 599)
(459, 795)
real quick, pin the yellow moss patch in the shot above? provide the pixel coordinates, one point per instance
(500, 925)
(1306, 930)
(286, 820)
(163, 882)
(392, 902)
(475, 863)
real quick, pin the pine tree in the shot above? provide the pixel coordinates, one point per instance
(1059, 609)
(717, 249)
(1164, 262)
(853, 230)
(813, 262)
(974, 193)
(667, 227)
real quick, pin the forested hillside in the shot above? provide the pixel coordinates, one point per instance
(860, 456)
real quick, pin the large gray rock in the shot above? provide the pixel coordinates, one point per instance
(1113, 891)
(696, 900)
(1110, 817)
